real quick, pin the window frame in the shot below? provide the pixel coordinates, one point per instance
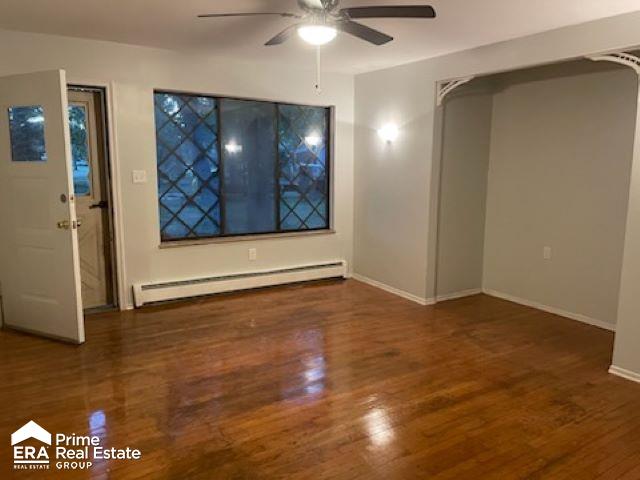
(226, 238)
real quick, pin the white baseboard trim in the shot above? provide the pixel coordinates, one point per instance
(556, 311)
(460, 294)
(624, 373)
(395, 291)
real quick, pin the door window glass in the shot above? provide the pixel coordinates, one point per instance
(79, 150)
(26, 130)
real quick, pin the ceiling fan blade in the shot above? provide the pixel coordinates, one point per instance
(248, 14)
(283, 36)
(415, 11)
(363, 32)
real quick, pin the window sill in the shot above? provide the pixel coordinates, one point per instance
(244, 238)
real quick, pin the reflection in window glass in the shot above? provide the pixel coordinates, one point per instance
(79, 149)
(26, 129)
(304, 183)
(249, 159)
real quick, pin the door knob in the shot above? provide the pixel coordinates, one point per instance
(67, 225)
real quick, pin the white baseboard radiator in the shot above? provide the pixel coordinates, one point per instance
(160, 292)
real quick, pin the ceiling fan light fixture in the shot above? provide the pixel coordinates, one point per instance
(317, 34)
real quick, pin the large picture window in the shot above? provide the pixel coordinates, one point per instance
(230, 167)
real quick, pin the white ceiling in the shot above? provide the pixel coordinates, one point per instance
(172, 24)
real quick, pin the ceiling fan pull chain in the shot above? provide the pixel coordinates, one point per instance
(318, 89)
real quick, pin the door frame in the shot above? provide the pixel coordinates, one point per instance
(114, 190)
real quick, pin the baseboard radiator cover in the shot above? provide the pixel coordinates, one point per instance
(160, 292)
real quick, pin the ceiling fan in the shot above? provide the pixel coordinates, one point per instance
(320, 21)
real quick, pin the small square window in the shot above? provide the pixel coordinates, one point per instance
(26, 127)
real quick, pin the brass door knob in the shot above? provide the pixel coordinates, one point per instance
(67, 225)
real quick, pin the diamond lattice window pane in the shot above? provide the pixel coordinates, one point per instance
(188, 166)
(303, 182)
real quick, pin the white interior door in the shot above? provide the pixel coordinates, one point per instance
(39, 261)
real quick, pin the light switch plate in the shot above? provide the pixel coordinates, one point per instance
(253, 254)
(139, 176)
(546, 253)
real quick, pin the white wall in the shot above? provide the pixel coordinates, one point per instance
(465, 163)
(561, 151)
(133, 73)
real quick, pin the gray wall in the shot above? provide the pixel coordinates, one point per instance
(396, 241)
(626, 354)
(463, 190)
(393, 187)
(561, 151)
(561, 148)
(390, 190)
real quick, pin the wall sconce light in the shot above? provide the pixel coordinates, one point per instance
(389, 132)
(233, 147)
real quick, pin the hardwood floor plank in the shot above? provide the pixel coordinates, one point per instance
(330, 380)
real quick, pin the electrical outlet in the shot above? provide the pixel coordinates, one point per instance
(139, 176)
(253, 254)
(546, 253)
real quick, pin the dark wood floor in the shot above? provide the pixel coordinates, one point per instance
(331, 380)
